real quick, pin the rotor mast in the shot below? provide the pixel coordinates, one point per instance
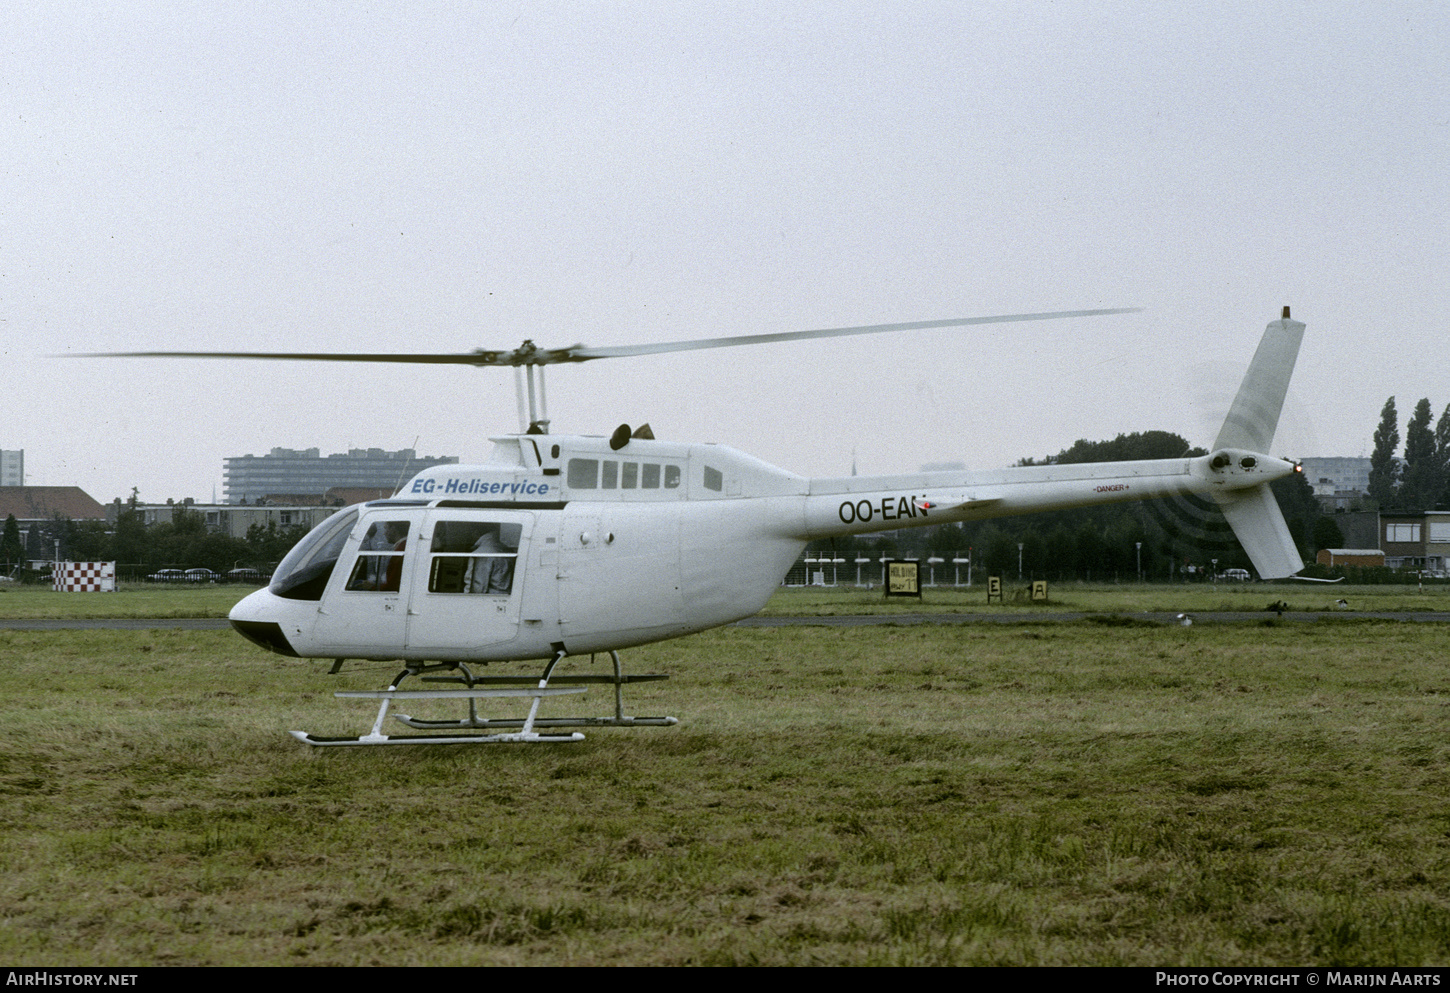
(538, 411)
(527, 357)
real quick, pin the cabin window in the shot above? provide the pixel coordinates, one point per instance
(303, 573)
(474, 557)
(713, 480)
(379, 566)
(583, 474)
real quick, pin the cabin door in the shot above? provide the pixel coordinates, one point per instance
(363, 612)
(468, 582)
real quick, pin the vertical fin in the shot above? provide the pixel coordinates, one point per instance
(1259, 525)
(1253, 513)
(1254, 416)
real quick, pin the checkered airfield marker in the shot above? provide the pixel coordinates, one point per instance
(85, 577)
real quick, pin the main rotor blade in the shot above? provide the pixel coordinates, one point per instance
(446, 358)
(580, 353)
(531, 354)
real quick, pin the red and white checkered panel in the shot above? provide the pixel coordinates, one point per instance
(86, 577)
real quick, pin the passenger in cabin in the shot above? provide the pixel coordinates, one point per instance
(380, 564)
(398, 534)
(493, 571)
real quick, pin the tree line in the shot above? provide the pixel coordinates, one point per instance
(140, 549)
(1421, 481)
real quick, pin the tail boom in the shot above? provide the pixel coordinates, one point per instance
(1236, 475)
(863, 504)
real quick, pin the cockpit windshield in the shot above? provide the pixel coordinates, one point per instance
(303, 574)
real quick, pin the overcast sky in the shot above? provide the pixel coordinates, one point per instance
(448, 176)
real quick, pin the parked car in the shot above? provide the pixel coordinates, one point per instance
(1237, 575)
(167, 576)
(201, 576)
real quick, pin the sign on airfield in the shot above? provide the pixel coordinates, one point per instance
(903, 579)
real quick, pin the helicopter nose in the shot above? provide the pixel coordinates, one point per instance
(256, 619)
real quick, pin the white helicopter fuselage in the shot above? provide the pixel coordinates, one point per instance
(564, 545)
(568, 543)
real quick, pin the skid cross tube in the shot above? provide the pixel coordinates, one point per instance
(376, 737)
(617, 680)
(475, 688)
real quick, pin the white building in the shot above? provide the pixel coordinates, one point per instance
(1338, 483)
(292, 473)
(12, 468)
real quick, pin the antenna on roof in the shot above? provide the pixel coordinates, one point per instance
(403, 472)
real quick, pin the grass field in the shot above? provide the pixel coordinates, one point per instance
(1043, 793)
(131, 601)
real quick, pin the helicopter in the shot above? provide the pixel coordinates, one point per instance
(561, 546)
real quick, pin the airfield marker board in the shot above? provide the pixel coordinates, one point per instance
(903, 579)
(84, 577)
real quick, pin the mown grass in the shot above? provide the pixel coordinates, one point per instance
(1062, 793)
(132, 600)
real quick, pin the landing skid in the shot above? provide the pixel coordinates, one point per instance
(491, 687)
(428, 739)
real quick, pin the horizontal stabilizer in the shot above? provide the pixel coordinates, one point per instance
(1254, 416)
(1259, 525)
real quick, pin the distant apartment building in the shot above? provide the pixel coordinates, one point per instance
(12, 467)
(1338, 483)
(307, 473)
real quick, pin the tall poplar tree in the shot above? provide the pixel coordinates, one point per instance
(1421, 483)
(12, 552)
(1442, 454)
(1384, 472)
